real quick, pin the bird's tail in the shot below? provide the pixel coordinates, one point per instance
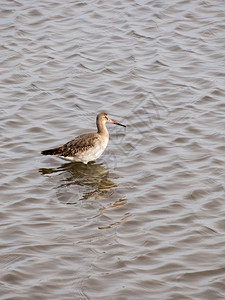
(49, 152)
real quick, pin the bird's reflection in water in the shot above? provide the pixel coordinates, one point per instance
(80, 182)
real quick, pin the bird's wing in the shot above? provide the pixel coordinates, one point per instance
(77, 145)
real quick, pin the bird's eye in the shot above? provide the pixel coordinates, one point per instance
(106, 117)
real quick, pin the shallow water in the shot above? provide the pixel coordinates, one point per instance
(146, 220)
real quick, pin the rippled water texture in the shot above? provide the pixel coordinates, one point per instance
(147, 219)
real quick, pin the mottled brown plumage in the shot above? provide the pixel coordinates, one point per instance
(86, 147)
(71, 148)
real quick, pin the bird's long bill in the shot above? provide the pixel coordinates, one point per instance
(113, 122)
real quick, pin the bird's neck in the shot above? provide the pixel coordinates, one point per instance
(102, 129)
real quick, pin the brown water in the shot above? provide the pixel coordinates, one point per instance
(146, 220)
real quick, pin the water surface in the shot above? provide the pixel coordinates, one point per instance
(146, 220)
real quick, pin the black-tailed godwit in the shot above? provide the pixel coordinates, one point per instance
(86, 147)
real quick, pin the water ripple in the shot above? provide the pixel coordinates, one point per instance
(147, 218)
